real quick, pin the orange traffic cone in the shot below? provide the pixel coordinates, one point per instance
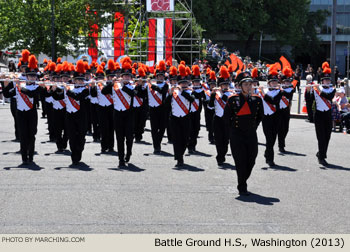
(304, 110)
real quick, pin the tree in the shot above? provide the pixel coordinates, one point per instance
(288, 21)
(27, 23)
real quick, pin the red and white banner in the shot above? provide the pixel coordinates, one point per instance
(118, 35)
(93, 51)
(160, 5)
(160, 40)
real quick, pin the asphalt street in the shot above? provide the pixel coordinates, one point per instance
(152, 196)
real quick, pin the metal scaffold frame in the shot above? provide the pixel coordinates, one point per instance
(181, 42)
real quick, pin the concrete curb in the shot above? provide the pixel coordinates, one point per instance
(298, 116)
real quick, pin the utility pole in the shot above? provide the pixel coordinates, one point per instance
(53, 41)
(334, 27)
(261, 33)
(126, 27)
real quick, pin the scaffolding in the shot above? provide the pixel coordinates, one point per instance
(184, 40)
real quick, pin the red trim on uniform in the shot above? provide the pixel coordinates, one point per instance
(122, 98)
(155, 96)
(25, 98)
(180, 103)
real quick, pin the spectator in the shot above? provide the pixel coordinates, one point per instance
(319, 72)
(336, 75)
(12, 66)
(336, 117)
(344, 108)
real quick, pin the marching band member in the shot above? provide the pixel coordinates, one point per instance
(158, 113)
(123, 95)
(271, 102)
(48, 103)
(61, 74)
(196, 109)
(172, 83)
(139, 106)
(323, 95)
(27, 115)
(243, 112)
(209, 111)
(218, 100)
(284, 107)
(75, 112)
(180, 101)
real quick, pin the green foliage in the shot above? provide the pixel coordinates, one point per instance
(288, 21)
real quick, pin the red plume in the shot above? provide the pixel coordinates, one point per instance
(287, 72)
(182, 70)
(161, 66)
(212, 75)
(230, 68)
(117, 66)
(25, 55)
(134, 65)
(52, 66)
(59, 60)
(182, 62)
(80, 68)
(45, 61)
(32, 62)
(238, 72)
(126, 64)
(327, 70)
(224, 73)
(141, 72)
(325, 64)
(195, 70)
(111, 65)
(273, 72)
(168, 63)
(71, 67)
(173, 70)
(254, 73)
(103, 64)
(99, 69)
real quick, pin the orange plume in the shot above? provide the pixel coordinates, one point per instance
(173, 70)
(287, 72)
(117, 66)
(65, 67)
(254, 73)
(212, 75)
(86, 65)
(273, 72)
(111, 65)
(182, 70)
(208, 71)
(59, 68)
(230, 68)
(134, 65)
(59, 59)
(80, 67)
(52, 66)
(25, 55)
(224, 72)
(325, 64)
(182, 62)
(71, 67)
(168, 63)
(327, 70)
(195, 70)
(103, 64)
(161, 66)
(32, 62)
(126, 64)
(45, 61)
(99, 69)
(126, 59)
(141, 72)
(188, 71)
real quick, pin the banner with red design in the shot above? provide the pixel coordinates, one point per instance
(160, 5)
(118, 35)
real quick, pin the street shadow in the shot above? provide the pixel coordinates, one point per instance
(190, 168)
(280, 167)
(333, 166)
(226, 166)
(33, 166)
(143, 142)
(57, 153)
(162, 154)
(259, 199)
(110, 153)
(129, 167)
(81, 167)
(11, 152)
(11, 141)
(198, 153)
(292, 154)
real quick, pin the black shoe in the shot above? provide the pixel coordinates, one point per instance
(137, 140)
(244, 193)
(75, 163)
(60, 150)
(25, 162)
(156, 151)
(180, 163)
(121, 163)
(282, 150)
(190, 151)
(220, 164)
(103, 150)
(127, 158)
(271, 163)
(110, 150)
(322, 161)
